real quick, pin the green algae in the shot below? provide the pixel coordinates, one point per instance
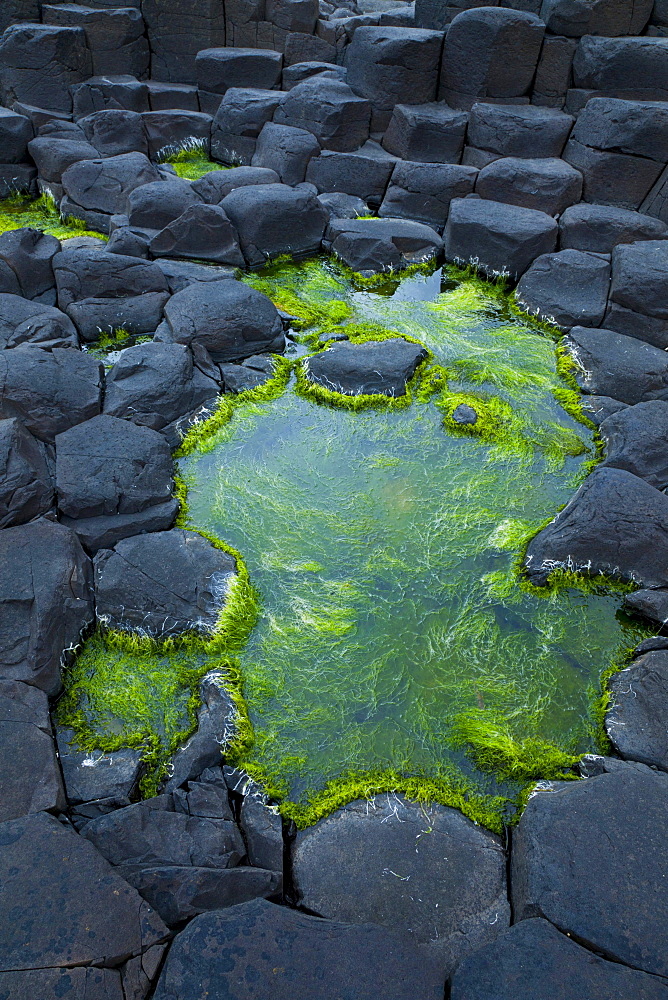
(396, 647)
(190, 160)
(24, 212)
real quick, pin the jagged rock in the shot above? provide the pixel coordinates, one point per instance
(293, 957)
(180, 893)
(533, 961)
(115, 131)
(610, 364)
(423, 191)
(497, 238)
(426, 133)
(92, 774)
(215, 186)
(649, 646)
(490, 52)
(26, 481)
(273, 219)
(588, 856)
(593, 765)
(546, 184)
(49, 390)
(53, 984)
(240, 117)
(285, 150)
(636, 721)
(26, 269)
(635, 440)
(220, 69)
(202, 232)
(330, 110)
(24, 321)
(84, 812)
(170, 131)
(164, 583)
(616, 525)
(217, 719)
(103, 292)
(390, 64)
(383, 367)
(262, 828)
(601, 227)
(569, 288)
(39, 63)
(519, 130)
(230, 319)
(62, 903)
(364, 174)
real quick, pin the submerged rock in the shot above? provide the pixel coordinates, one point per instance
(375, 367)
(427, 870)
(637, 721)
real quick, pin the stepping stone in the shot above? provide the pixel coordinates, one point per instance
(377, 367)
(427, 870)
(590, 857)
(273, 219)
(62, 904)
(293, 957)
(637, 721)
(533, 961)
(611, 364)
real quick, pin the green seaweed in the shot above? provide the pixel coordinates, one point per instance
(24, 212)
(190, 159)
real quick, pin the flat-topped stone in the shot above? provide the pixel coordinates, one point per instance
(637, 720)
(375, 367)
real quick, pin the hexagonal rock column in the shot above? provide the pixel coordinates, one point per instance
(427, 870)
(39, 63)
(177, 31)
(590, 857)
(637, 722)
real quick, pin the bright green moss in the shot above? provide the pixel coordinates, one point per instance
(190, 160)
(23, 212)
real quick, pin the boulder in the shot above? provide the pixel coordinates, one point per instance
(388, 65)
(153, 206)
(519, 130)
(26, 257)
(108, 466)
(533, 961)
(569, 288)
(489, 52)
(330, 110)
(375, 367)
(274, 219)
(178, 30)
(640, 277)
(343, 206)
(47, 601)
(240, 117)
(30, 773)
(181, 273)
(597, 408)
(39, 63)
(616, 527)
(547, 184)
(215, 186)
(201, 232)
(31, 324)
(497, 238)
(612, 178)
(170, 96)
(170, 131)
(601, 227)
(16, 131)
(295, 73)
(49, 391)
(115, 37)
(588, 856)
(363, 174)
(115, 132)
(219, 69)
(156, 384)
(53, 154)
(61, 903)
(650, 604)
(426, 133)
(293, 957)
(635, 440)
(445, 888)
(26, 482)
(638, 325)
(164, 583)
(217, 719)
(93, 775)
(614, 64)
(241, 377)
(285, 150)
(595, 17)
(102, 186)
(423, 191)
(230, 319)
(636, 721)
(109, 93)
(262, 829)
(639, 128)
(611, 364)
(374, 245)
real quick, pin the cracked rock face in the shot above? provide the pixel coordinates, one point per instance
(637, 722)
(427, 870)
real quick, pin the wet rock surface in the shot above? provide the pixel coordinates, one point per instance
(637, 720)
(383, 367)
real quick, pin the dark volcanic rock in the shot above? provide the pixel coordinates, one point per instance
(273, 219)
(156, 384)
(180, 893)
(639, 128)
(26, 268)
(569, 288)
(637, 720)
(589, 857)
(220, 69)
(239, 120)
(16, 131)
(518, 130)
(115, 131)
(336, 116)
(293, 957)
(635, 440)
(202, 232)
(383, 244)
(27, 322)
(384, 367)
(31, 778)
(170, 131)
(651, 604)
(56, 984)
(497, 238)
(229, 319)
(610, 364)
(615, 525)
(163, 583)
(285, 150)
(363, 174)
(21, 702)
(113, 92)
(640, 277)
(26, 482)
(103, 185)
(597, 408)
(47, 600)
(423, 191)
(217, 719)
(262, 827)
(39, 63)
(533, 961)
(547, 184)
(446, 887)
(426, 133)
(61, 903)
(602, 227)
(612, 178)
(217, 184)
(154, 205)
(91, 775)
